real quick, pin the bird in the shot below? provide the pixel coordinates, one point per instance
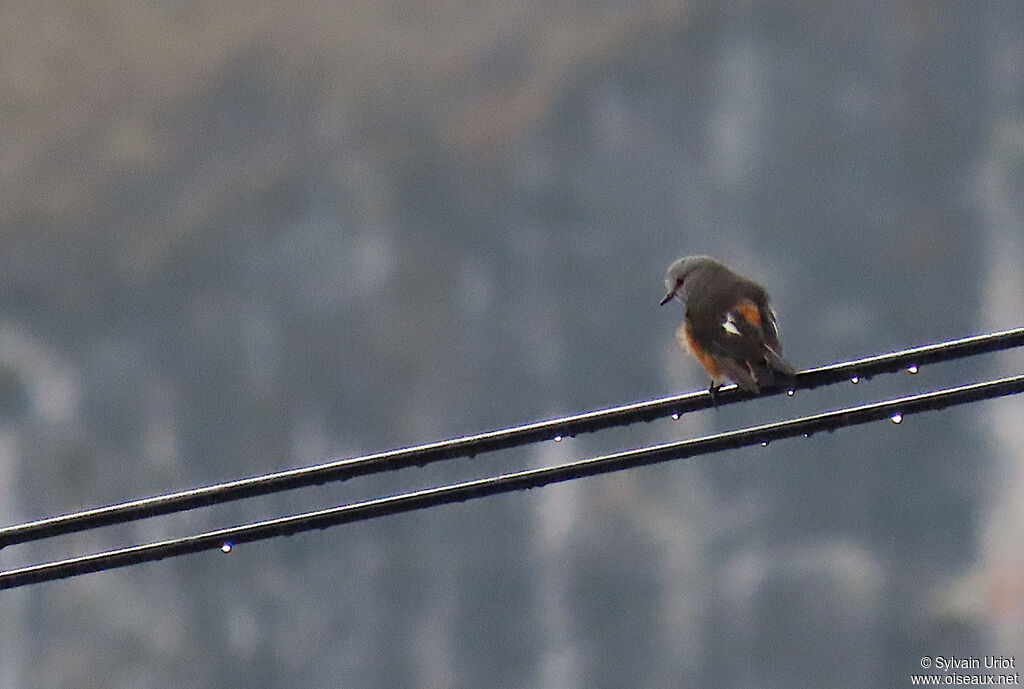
(729, 326)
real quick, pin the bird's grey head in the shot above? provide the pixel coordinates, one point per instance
(680, 270)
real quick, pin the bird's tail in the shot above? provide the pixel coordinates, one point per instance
(775, 370)
(778, 364)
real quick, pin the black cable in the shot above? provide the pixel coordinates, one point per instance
(226, 539)
(469, 446)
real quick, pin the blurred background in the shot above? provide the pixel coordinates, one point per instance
(239, 237)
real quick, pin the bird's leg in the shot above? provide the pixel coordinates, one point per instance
(713, 391)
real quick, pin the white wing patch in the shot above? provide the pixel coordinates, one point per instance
(729, 324)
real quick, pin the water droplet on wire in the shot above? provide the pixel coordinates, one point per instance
(558, 438)
(855, 379)
(227, 547)
(675, 416)
(912, 369)
(791, 392)
(896, 418)
(764, 443)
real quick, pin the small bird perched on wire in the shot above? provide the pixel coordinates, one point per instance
(729, 326)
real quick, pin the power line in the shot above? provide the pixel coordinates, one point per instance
(469, 446)
(225, 539)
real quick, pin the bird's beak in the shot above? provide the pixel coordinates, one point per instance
(668, 297)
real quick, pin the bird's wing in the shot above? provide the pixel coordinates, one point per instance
(737, 333)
